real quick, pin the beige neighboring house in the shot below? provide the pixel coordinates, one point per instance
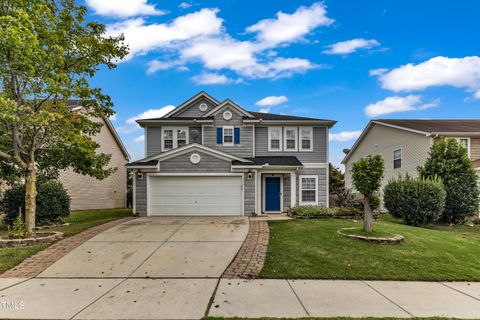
(89, 193)
(404, 144)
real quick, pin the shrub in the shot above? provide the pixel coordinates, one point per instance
(449, 161)
(415, 201)
(319, 211)
(53, 202)
(18, 230)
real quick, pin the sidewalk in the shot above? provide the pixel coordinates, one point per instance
(337, 298)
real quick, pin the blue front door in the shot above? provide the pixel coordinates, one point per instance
(272, 194)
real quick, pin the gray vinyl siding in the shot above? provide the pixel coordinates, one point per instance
(182, 164)
(141, 196)
(318, 155)
(153, 138)
(249, 194)
(244, 149)
(193, 111)
(322, 184)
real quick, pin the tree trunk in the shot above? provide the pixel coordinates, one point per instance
(367, 216)
(30, 199)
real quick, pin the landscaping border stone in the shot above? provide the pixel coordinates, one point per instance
(13, 243)
(396, 239)
(250, 259)
(37, 263)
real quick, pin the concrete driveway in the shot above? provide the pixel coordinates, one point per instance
(147, 268)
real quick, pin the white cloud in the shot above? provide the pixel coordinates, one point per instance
(123, 8)
(139, 139)
(210, 78)
(397, 104)
(437, 71)
(271, 101)
(131, 124)
(350, 46)
(185, 5)
(291, 27)
(156, 65)
(265, 109)
(345, 135)
(377, 72)
(113, 117)
(143, 38)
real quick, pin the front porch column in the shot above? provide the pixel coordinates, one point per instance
(259, 193)
(293, 189)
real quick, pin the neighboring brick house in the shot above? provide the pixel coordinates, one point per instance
(90, 193)
(215, 158)
(405, 144)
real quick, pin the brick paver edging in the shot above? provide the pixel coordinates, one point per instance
(250, 258)
(35, 264)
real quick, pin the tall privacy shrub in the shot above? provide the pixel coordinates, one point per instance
(449, 160)
(417, 201)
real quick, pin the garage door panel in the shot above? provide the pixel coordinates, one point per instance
(206, 195)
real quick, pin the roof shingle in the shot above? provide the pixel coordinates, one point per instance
(436, 125)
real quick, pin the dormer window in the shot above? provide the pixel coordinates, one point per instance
(274, 138)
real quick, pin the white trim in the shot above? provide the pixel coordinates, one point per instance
(228, 144)
(145, 148)
(327, 144)
(183, 174)
(315, 165)
(300, 148)
(401, 158)
(300, 177)
(142, 167)
(295, 129)
(253, 140)
(274, 175)
(280, 138)
(469, 145)
(171, 153)
(183, 105)
(228, 103)
(134, 192)
(174, 136)
(256, 190)
(293, 189)
(203, 135)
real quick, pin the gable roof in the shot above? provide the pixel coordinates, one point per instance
(435, 126)
(230, 103)
(273, 116)
(186, 103)
(187, 148)
(422, 127)
(271, 161)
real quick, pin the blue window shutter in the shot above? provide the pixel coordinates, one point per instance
(236, 135)
(219, 136)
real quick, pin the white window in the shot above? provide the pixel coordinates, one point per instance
(174, 138)
(274, 138)
(306, 139)
(228, 136)
(397, 158)
(290, 143)
(465, 142)
(308, 190)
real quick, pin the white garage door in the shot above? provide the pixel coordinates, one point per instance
(193, 195)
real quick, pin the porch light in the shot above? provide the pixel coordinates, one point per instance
(139, 175)
(249, 175)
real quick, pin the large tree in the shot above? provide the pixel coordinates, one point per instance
(48, 52)
(449, 161)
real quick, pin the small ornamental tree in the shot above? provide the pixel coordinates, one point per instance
(449, 161)
(367, 174)
(336, 180)
(48, 53)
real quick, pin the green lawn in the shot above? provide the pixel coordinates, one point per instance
(312, 249)
(79, 221)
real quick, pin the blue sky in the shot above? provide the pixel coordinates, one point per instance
(349, 61)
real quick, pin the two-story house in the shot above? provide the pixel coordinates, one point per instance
(208, 157)
(405, 144)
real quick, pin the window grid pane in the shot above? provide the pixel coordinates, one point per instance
(275, 144)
